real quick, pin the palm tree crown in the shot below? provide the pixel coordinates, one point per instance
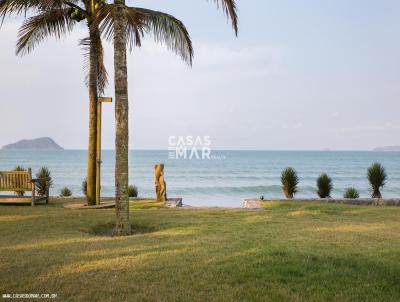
(56, 18)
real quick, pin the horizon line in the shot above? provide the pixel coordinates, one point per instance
(254, 150)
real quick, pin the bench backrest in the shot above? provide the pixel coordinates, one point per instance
(16, 180)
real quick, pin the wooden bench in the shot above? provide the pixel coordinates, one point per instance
(21, 181)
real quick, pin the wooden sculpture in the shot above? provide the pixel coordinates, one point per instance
(161, 187)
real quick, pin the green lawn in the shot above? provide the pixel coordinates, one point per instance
(287, 252)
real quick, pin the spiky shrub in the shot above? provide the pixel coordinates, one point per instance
(19, 168)
(324, 186)
(132, 191)
(84, 187)
(289, 180)
(43, 186)
(351, 193)
(377, 178)
(65, 192)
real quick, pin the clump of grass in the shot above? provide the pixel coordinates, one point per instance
(132, 191)
(43, 186)
(351, 193)
(19, 168)
(324, 186)
(84, 187)
(377, 178)
(289, 180)
(65, 192)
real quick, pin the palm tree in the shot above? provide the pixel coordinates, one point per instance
(57, 18)
(121, 18)
(123, 226)
(377, 177)
(290, 181)
(324, 186)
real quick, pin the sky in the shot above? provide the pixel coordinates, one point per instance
(301, 75)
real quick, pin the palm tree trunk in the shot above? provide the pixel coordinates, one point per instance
(121, 123)
(93, 95)
(376, 193)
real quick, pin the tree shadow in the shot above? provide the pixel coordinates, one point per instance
(108, 229)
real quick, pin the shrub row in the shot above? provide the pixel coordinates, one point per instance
(41, 187)
(376, 175)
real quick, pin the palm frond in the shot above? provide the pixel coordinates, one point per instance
(52, 22)
(134, 28)
(167, 30)
(230, 9)
(102, 75)
(18, 7)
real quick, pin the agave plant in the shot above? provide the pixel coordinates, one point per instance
(132, 191)
(351, 193)
(377, 178)
(65, 192)
(289, 180)
(43, 186)
(19, 168)
(84, 187)
(324, 186)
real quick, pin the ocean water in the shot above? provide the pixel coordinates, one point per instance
(224, 181)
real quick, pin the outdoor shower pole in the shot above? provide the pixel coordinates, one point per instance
(98, 146)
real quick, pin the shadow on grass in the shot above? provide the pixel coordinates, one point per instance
(318, 207)
(270, 257)
(108, 229)
(22, 205)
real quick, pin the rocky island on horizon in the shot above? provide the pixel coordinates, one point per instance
(42, 143)
(388, 149)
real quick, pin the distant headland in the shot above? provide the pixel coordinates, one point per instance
(388, 149)
(42, 143)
